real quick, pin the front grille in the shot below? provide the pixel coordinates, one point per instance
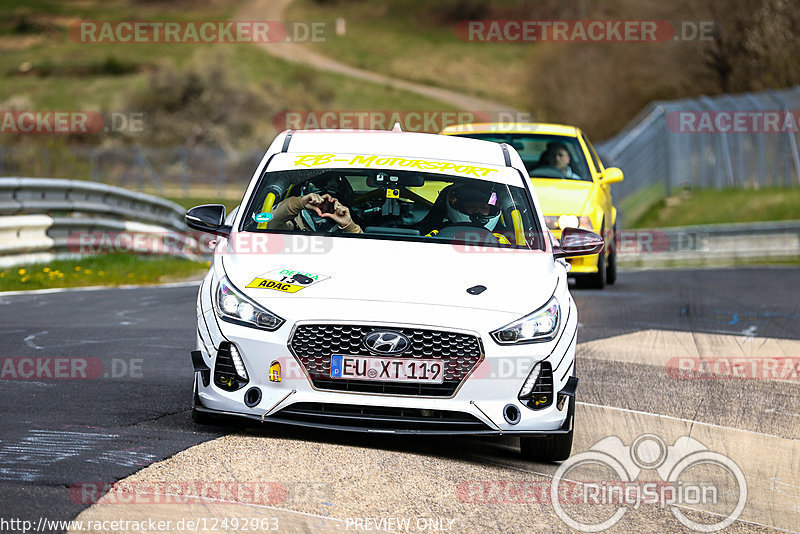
(313, 346)
(380, 417)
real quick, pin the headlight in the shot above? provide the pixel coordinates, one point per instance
(234, 307)
(540, 326)
(559, 222)
(568, 221)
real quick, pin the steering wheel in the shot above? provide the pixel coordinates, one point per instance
(451, 230)
(547, 171)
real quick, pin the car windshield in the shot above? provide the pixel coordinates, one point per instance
(545, 156)
(393, 204)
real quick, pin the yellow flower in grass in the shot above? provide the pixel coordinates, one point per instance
(101, 273)
(24, 279)
(87, 271)
(77, 267)
(21, 272)
(46, 270)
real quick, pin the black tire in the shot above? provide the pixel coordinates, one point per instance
(554, 448)
(611, 271)
(596, 280)
(201, 418)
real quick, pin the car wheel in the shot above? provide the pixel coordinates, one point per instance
(554, 448)
(611, 271)
(201, 418)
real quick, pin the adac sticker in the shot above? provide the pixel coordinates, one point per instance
(262, 217)
(287, 280)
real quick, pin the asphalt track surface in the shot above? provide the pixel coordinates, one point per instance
(133, 408)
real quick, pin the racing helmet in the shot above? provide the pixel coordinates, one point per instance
(477, 204)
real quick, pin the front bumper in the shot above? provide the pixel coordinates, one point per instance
(390, 424)
(475, 407)
(584, 264)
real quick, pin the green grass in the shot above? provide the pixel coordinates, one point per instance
(402, 38)
(710, 206)
(53, 47)
(59, 80)
(636, 205)
(107, 269)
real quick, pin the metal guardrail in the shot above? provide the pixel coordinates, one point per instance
(200, 171)
(42, 217)
(655, 149)
(26, 196)
(709, 243)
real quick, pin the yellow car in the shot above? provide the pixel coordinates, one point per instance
(571, 183)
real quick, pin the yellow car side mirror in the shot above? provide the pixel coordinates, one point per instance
(612, 175)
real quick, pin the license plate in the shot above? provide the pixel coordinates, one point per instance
(386, 369)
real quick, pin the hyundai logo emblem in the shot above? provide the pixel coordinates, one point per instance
(386, 342)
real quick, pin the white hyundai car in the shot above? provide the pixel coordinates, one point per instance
(390, 282)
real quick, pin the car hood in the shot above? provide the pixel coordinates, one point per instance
(354, 275)
(560, 197)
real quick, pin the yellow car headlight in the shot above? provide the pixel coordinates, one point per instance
(560, 222)
(568, 221)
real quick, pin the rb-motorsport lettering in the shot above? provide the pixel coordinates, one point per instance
(311, 160)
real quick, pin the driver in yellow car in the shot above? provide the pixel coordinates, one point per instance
(556, 155)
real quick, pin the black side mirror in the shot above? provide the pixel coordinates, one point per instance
(578, 242)
(208, 218)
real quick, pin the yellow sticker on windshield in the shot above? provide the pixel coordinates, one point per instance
(313, 160)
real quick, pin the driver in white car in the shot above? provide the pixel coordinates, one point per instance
(316, 211)
(474, 206)
(468, 204)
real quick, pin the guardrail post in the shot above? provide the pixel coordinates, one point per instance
(672, 160)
